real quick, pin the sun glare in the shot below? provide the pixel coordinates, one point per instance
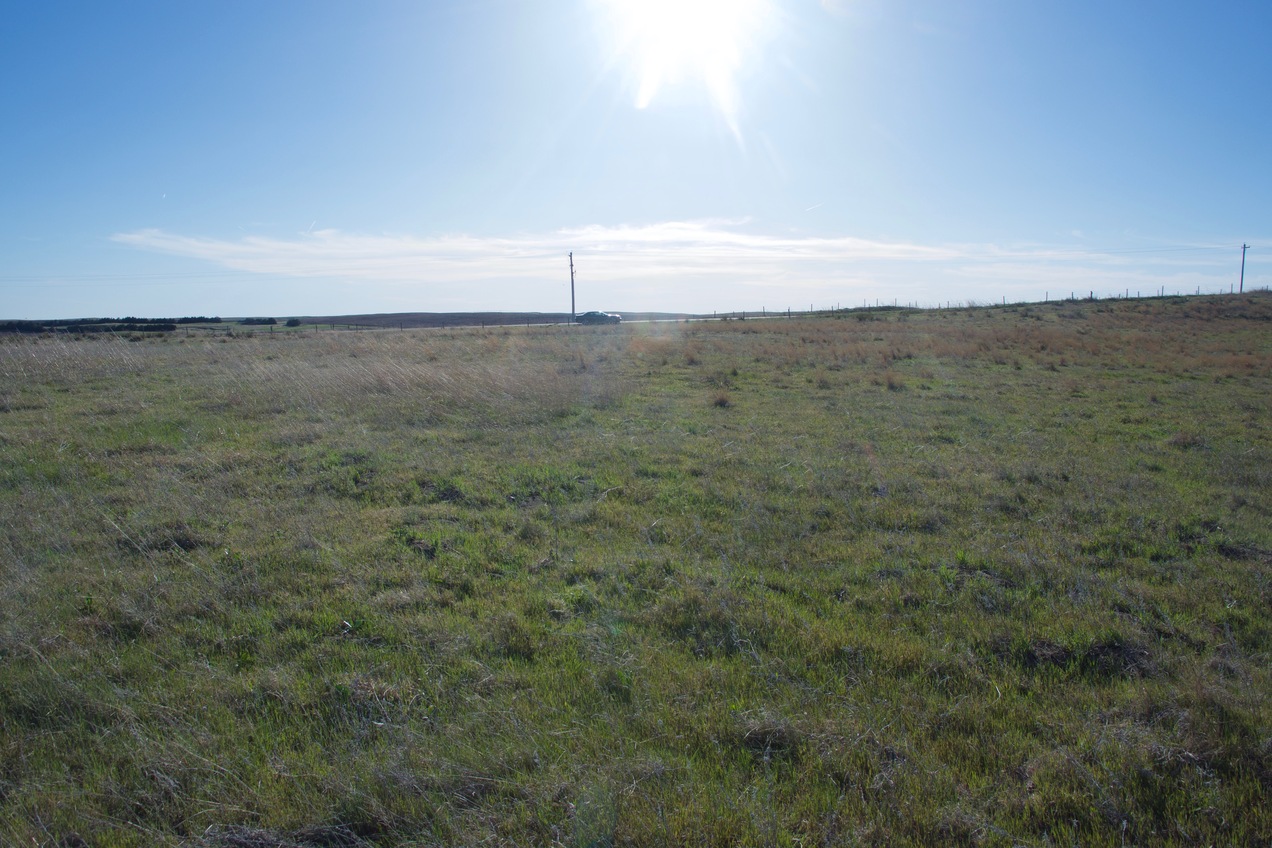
(668, 42)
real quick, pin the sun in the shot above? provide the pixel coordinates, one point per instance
(668, 42)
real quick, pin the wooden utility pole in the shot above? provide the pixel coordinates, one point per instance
(1244, 248)
(572, 286)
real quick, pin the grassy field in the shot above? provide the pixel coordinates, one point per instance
(993, 576)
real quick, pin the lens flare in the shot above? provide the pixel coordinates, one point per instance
(669, 42)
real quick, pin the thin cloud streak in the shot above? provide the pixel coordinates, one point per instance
(697, 264)
(703, 245)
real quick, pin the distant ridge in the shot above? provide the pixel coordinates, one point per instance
(472, 319)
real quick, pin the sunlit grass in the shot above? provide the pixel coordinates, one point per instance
(971, 576)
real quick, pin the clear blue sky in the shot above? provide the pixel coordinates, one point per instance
(278, 158)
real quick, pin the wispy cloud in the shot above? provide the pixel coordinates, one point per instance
(716, 247)
(697, 264)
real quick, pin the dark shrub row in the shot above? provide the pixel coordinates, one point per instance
(129, 324)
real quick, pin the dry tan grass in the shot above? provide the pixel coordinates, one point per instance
(503, 372)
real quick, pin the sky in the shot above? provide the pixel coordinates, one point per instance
(217, 157)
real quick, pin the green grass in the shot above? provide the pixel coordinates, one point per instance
(994, 576)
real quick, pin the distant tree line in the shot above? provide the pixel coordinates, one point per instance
(129, 324)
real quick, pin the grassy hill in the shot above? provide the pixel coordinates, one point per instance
(987, 576)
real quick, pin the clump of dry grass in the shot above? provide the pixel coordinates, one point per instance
(66, 360)
(1187, 440)
(657, 348)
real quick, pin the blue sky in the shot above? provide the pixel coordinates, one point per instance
(280, 158)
